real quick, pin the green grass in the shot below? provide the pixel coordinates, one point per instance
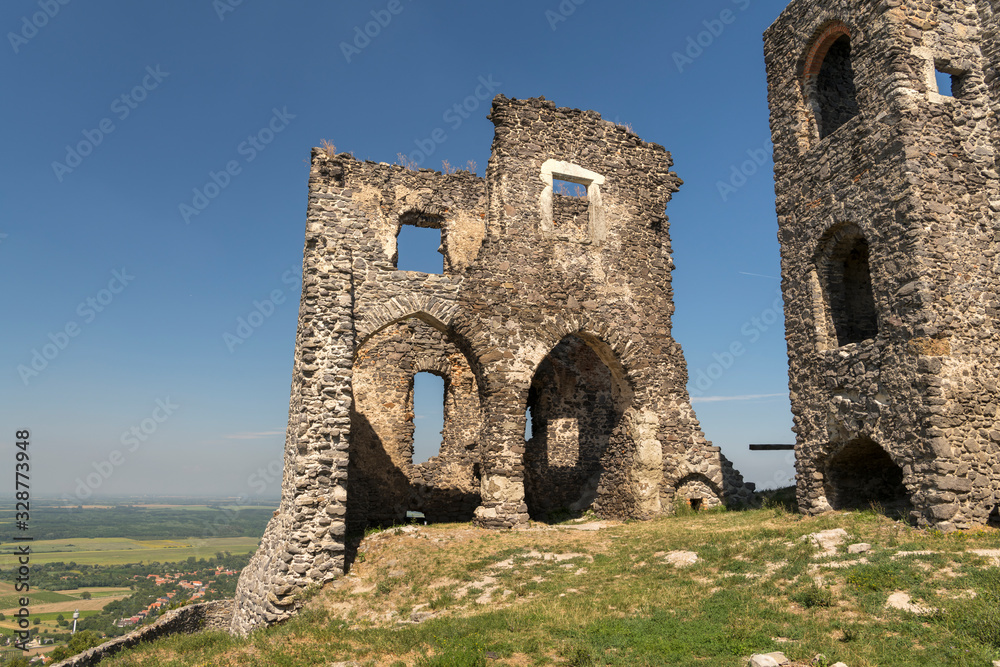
(618, 602)
(10, 601)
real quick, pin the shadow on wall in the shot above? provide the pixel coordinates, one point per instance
(379, 493)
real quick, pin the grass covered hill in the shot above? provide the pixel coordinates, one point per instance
(697, 589)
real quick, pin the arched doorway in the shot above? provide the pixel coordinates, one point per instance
(861, 475)
(384, 479)
(575, 405)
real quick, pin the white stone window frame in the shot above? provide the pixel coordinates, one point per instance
(933, 63)
(573, 173)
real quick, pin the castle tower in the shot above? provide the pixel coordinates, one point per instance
(887, 200)
(549, 304)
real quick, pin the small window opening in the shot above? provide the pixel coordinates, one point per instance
(695, 503)
(428, 416)
(570, 208)
(418, 244)
(950, 82)
(858, 319)
(527, 425)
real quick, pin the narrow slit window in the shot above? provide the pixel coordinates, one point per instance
(428, 416)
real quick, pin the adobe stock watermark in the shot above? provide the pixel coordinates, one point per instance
(698, 43)
(248, 149)
(741, 173)
(363, 35)
(122, 106)
(454, 116)
(87, 310)
(562, 12)
(131, 441)
(223, 7)
(262, 311)
(751, 331)
(781, 478)
(31, 25)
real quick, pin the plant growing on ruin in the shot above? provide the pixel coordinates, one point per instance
(405, 162)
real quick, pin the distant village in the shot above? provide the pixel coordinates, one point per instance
(198, 590)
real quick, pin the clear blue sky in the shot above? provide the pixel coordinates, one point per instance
(116, 112)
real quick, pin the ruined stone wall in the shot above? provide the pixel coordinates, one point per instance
(547, 301)
(200, 617)
(888, 241)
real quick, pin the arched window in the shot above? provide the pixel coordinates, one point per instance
(829, 79)
(847, 312)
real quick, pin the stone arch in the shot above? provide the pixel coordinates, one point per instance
(698, 491)
(383, 481)
(577, 400)
(438, 313)
(843, 298)
(860, 473)
(828, 79)
(613, 346)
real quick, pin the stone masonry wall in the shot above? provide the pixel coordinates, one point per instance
(888, 233)
(551, 302)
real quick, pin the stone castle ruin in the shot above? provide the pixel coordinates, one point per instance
(887, 199)
(551, 307)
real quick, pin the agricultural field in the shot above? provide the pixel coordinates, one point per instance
(118, 551)
(54, 520)
(97, 559)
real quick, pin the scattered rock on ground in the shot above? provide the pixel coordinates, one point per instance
(827, 540)
(859, 548)
(678, 558)
(775, 659)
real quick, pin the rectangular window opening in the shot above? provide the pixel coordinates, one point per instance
(950, 81)
(945, 83)
(419, 249)
(569, 188)
(428, 416)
